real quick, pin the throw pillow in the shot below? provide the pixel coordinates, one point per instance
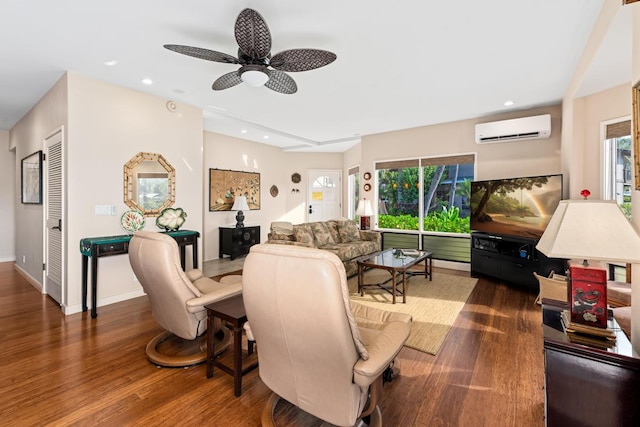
(321, 234)
(333, 230)
(277, 235)
(348, 231)
(303, 234)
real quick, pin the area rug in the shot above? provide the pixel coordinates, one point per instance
(434, 305)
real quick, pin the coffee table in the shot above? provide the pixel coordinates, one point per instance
(396, 262)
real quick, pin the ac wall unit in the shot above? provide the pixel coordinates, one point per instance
(534, 127)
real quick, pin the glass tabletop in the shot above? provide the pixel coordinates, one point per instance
(394, 258)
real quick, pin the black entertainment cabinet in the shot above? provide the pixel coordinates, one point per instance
(512, 259)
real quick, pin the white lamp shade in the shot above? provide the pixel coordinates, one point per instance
(254, 78)
(364, 208)
(590, 230)
(240, 204)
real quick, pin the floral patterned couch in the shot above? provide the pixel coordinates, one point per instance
(341, 237)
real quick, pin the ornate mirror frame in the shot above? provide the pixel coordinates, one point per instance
(635, 96)
(130, 181)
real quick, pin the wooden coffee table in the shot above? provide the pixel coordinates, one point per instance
(396, 263)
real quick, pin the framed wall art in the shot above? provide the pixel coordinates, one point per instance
(635, 105)
(225, 185)
(31, 182)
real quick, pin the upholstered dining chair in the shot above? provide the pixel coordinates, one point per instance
(317, 349)
(177, 300)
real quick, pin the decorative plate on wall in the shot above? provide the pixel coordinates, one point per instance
(273, 191)
(367, 176)
(367, 187)
(295, 178)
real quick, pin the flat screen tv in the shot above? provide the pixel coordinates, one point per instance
(515, 206)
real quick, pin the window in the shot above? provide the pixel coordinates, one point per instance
(429, 194)
(353, 191)
(617, 166)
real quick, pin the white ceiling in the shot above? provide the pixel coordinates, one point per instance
(400, 64)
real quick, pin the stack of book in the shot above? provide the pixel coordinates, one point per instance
(589, 335)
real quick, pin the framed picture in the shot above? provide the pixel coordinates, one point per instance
(225, 185)
(635, 96)
(32, 179)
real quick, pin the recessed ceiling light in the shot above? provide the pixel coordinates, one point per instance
(243, 131)
(147, 81)
(508, 103)
(266, 137)
(110, 63)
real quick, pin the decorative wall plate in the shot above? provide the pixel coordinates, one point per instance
(367, 176)
(367, 187)
(132, 221)
(295, 178)
(274, 191)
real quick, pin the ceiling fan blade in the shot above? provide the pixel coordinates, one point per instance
(252, 34)
(281, 82)
(226, 81)
(301, 59)
(198, 52)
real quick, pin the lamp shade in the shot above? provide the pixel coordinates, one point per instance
(240, 204)
(590, 230)
(364, 208)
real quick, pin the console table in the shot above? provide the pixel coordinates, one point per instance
(586, 385)
(97, 247)
(234, 241)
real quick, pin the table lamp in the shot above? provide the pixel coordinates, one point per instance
(240, 204)
(589, 230)
(365, 211)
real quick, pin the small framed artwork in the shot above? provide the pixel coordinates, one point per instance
(32, 179)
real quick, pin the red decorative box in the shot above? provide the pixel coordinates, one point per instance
(588, 294)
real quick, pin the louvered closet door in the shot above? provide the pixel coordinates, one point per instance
(54, 230)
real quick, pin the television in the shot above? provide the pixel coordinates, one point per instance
(519, 207)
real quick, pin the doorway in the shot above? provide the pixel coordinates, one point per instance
(324, 195)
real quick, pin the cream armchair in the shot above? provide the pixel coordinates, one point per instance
(177, 300)
(317, 349)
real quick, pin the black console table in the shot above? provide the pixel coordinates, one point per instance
(97, 247)
(512, 259)
(586, 385)
(236, 241)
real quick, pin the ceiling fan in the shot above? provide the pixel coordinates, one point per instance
(258, 67)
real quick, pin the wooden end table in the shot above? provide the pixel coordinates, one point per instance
(232, 311)
(395, 263)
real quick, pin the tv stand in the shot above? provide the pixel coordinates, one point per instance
(511, 258)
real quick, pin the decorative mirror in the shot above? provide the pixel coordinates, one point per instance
(149, 183)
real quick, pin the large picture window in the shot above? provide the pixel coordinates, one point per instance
(429, 194)
(617, 165)
(353, 191)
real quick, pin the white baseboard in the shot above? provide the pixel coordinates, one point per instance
(105, 301)
(28, 277)
(10, 259)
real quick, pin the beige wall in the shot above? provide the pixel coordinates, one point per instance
(105, 126)
(7, 199)
(635, 297)
(275, 167)
(28, 135)
(499, 160)
(589, 113)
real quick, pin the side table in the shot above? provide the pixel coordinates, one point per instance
(232, 311)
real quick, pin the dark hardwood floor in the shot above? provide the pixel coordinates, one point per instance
(71, 370)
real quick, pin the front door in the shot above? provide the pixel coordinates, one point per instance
(325, 195)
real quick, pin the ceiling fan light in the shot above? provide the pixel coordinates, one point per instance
(254, 78)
